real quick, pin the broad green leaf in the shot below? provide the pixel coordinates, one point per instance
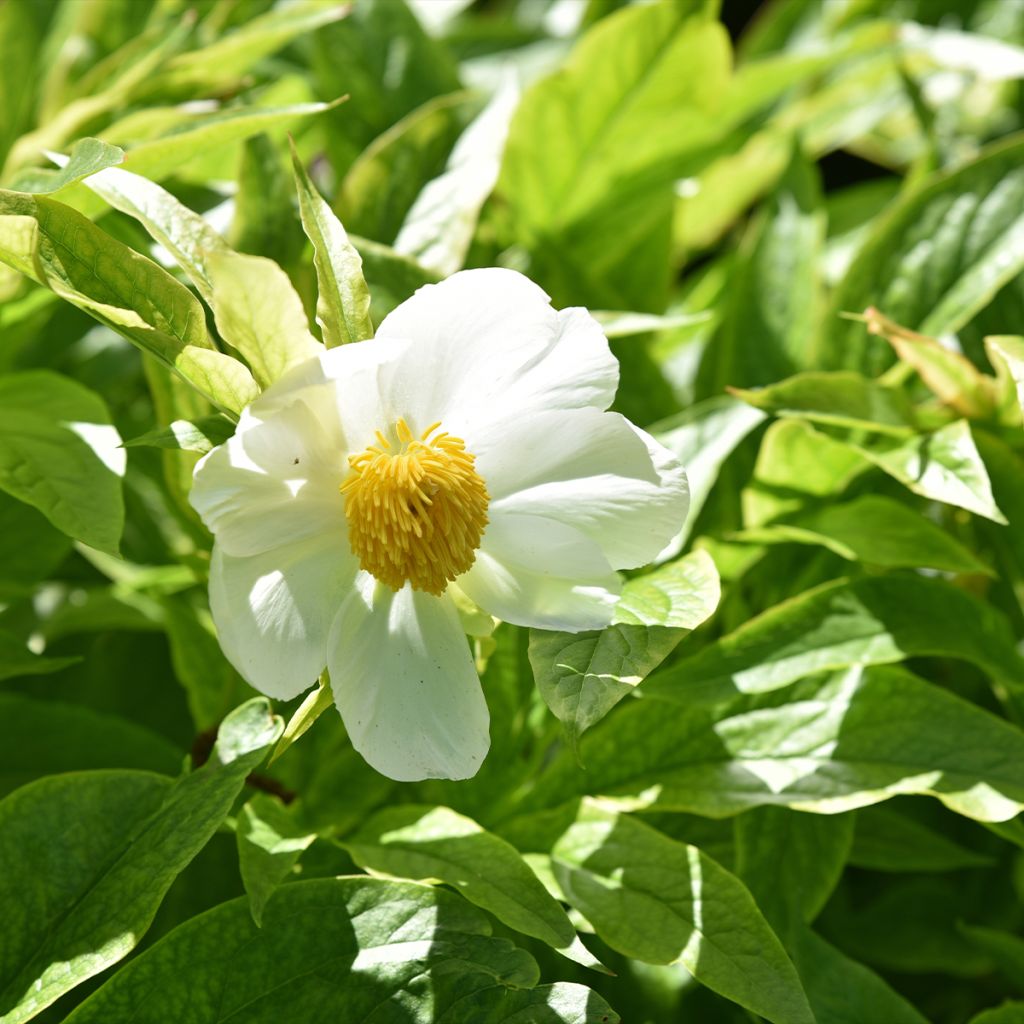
(343, 300)
(774, 296)
(17, 660)
(45, 737)
(875, 530)
(922, 265)
(345, 947)
(791, 862)
(213, 68)
(157, 158)
(187, 435)
(874, 620)
(595, 148)
(381, 187)
(582, 676)
(633, 95)
(210, 681)
(89, 856)
(270, 841)
(702, 438)
(259, 313)
(665, 902)
(437, 844)
(439, 227)
(1008, 1013)
(885, 840)
(844, 991)
(184, 234)
(1006, 949)
(838, 399)
(263, 220)
(31, 548)
(1007, 356)
(944, 466)
(60, 453)
(797, 466)
(911, 925)
(87, 156)
(59, 248)
(824, 745)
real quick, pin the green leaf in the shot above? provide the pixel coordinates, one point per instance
(382, 185)
(885, 840)
(270, 841)
(213, 68)
(187, 435)
(633, 95)
(343, 300)
(60, 453)
(437, 844)
(89, 856)
(595, 149)
(1005, 949)
(87, 156)
(348, 948)
(1007, 356)
(839, 399)
(259, 313)
(197, 136)
(184, 234)
(17, 660)
(875, 530)
(844, 991)
(1008, 1013)
(31, 548)
(582, 676)
(797, 466)
(791, 862)
(921, 268)
(61, 249)
(702, 438)
(870, 621)
(774, 295)
(45, 737)
(312, 707)
(824, 745)
(944, 466)
(665, 902)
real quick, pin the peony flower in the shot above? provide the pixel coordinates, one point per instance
(466, 446)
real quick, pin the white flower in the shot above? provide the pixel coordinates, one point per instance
(467, 444)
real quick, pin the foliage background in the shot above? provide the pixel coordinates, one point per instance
(810, 814)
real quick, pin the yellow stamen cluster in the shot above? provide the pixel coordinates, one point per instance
(416, 510)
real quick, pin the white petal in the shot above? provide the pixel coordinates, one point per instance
(405, 684)
(533, 571)
(274, 610)
(273, 482)
(594, 471)
(486, 345)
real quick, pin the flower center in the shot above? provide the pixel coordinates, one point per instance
(416, 508)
